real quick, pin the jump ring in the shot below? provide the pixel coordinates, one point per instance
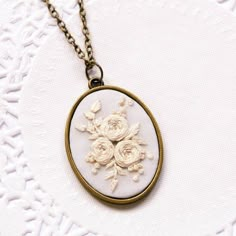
(96, 79)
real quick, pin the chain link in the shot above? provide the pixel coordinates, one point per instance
(85, 31)
(90, 64)
(89, 58)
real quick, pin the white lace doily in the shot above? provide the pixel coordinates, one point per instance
(29, 203)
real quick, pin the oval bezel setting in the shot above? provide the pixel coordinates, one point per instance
(76, 170)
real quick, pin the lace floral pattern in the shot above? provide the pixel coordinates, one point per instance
(116, 145)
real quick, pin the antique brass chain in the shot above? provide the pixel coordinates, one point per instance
(91, 66)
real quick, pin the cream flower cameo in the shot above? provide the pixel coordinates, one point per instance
(128, 152)
(114, 127)
(115, 144)
(103, 150)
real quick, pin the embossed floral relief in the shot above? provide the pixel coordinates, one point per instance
(115, 144)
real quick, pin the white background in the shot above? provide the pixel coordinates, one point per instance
(181, 54)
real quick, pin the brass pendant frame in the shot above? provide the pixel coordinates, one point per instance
(83, 181)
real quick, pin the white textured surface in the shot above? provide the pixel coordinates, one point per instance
(24, 26)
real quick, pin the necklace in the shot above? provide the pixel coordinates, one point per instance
(112, 140)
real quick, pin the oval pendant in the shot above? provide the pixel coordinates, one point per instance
(114, 145)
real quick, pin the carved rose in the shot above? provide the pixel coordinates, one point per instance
(114, 127)
(127, 152)
(103, 150)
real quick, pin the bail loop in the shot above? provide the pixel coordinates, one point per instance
(94, 74)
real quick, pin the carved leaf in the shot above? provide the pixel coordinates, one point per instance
(90, 128)
(110, 175)
(96, 106)
(122, 111)
(98, 121)
(93, 136)
(122, 102)
(121, 171)
(134, 129)
(139, 140)
(97, 165)
(130, 102)
(114, 184)
(110, 164)
(141, 171)
(80, 127)
(89, 115)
